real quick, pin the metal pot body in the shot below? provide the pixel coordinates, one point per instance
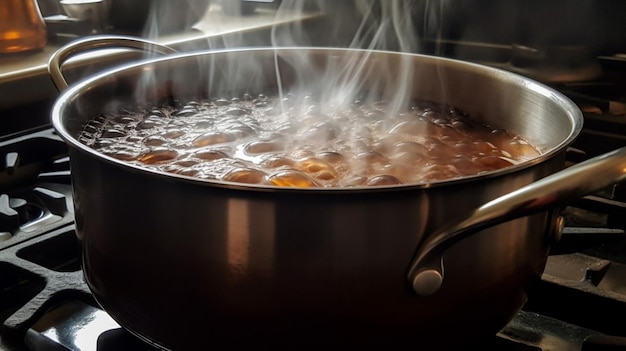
(179, 261)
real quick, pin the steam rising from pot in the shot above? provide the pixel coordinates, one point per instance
(360, 24)
(367, 103)
(318, 91)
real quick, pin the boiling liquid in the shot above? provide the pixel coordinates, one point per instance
(295, 142)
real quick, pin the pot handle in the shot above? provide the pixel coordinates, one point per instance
(426, 272)
(95, 42)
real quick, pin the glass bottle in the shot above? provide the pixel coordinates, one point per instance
(22, 27)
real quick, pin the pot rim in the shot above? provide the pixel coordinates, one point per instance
(74, 91)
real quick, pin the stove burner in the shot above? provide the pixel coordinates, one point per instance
(17, 212)
(36, 280)
(35, 189)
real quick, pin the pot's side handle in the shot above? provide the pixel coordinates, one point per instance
(426, 272)
(96, 42)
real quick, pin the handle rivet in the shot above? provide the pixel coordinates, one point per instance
(427, 282)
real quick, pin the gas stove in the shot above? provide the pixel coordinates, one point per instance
(46, 305)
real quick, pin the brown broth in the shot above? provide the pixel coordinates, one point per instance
(296, 142)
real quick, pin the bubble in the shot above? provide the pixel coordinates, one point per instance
(102, 143)
(277, 161)
(123, 154)
(157, 155)
(464, 166)
(492, 162)
(215, 169)
(209, 155)
(455, 113)
(287, 127)
(133, 139)
(186, 112)
(522, 149)
(290, 178)
(188, 172)
(170, 168)
(459, 126)
(408, 158)
(383, 145)
(155, 113)
(300, 153)
(113, 133)
(363, 134)
(212, 138)
(149, 124)
(433, 114)
(123, 120)
(185, 163)
(372, 157)
(410, 146)
(483, 146)
(245, 175)
(91, 128)
(317, 168)
(412, 127)
(325, 175)
(204, 124)
(260, 147)
(222, 102)
(439, 172)
(323, 131)
(354, 180)
(384, 179)
(375, 115)
(437, 147)
(238, 112)
(249, 121)
(441, 122)
(241, 131)
(173, 134)
(154, 140)
(313, 110)
(331, 156)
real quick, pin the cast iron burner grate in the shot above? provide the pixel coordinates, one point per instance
(35, 190)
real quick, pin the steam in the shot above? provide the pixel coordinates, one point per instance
(378, 25)
(364, 27)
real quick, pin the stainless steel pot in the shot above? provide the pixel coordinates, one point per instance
(177, 260)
